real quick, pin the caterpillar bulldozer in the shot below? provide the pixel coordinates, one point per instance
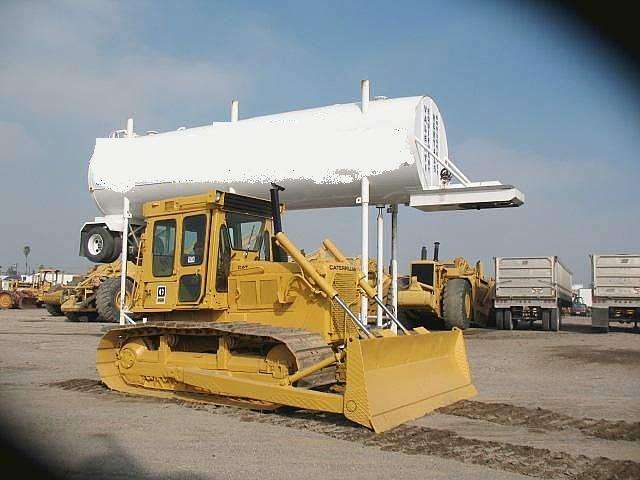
(228, 310)
(448, 293)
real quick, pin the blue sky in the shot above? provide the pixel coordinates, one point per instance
(527, 98)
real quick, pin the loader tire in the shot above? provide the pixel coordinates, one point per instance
(108, 299)
(499, 318)
(6, 300)
(54, 310)
(456, 304)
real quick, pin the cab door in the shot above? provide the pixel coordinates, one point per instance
(160, 267)
(192, 259)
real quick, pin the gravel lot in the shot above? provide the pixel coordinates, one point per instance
(551, 405)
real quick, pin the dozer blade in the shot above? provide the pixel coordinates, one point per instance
(391, 380)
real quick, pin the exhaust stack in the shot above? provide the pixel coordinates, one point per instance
(278, 253)
(436, 251)
(423, 253)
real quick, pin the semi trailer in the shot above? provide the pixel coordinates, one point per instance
(530, 289)
(616, 290)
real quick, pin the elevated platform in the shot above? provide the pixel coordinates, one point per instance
(474, 196)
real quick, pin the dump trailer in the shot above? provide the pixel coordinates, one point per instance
(616, 290)
(529, 289)
(451, 292)
(236, 314)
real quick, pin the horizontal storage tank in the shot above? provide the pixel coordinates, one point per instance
(319, 155)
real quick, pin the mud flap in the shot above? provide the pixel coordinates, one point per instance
(392, 380)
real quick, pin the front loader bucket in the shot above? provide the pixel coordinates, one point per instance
(391, 380)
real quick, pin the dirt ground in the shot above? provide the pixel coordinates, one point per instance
(551, 405)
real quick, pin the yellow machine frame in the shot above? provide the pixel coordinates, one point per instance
(275, 332)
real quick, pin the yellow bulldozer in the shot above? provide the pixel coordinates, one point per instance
(228, 310)
(446, 294)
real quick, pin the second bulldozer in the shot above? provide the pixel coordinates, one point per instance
(234, 313)
(449, 293)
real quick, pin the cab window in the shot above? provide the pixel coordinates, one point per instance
(245, 231)
(194, 230)
(224, 260)
(164, 244)
(265, 251)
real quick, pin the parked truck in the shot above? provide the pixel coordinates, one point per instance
(616, 290)
(530, 289)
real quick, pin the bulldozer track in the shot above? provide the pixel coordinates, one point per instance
(542, 419)
(308, 348)
(415, 440)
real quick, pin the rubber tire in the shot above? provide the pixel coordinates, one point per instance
(508, 320)
(108, 243)
(500, 319)
(54, 310)
(117, 249)
(105, 299)
(554, 321)
(453, 304)
(8, 300)
(546, 319)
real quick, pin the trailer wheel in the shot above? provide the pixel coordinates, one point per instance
(54, 310)
(99, 245)
(508, 320)
(457, 305)
(108, 299)
(554, 320)
(499, 318)
(546, 319)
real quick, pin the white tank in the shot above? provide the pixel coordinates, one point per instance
(319, 155)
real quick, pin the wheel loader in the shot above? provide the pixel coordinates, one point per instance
(29, 294)
(450, 293)
(230, 311)
(94, 297)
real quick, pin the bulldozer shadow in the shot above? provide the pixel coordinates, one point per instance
(115, 461)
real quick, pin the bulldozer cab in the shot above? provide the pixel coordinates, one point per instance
(424, 271)
(190, 244)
